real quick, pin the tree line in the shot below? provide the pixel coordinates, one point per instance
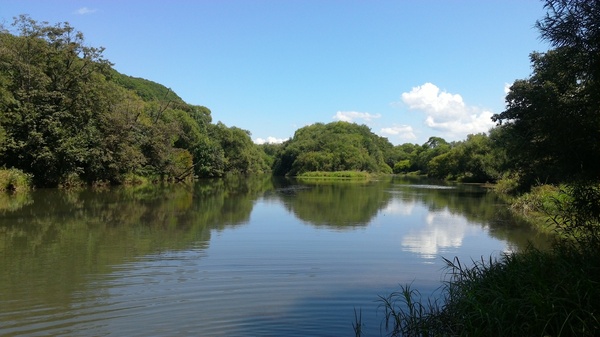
(67, 117)
(549, 132)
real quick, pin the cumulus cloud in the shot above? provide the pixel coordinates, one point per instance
(350, 116)
(404, 132)
(85, 10)
(447, 112)
(270, 140)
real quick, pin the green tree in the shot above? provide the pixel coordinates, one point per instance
(54, 81)
(270, 152)
(337, 146)
(469, 160)
(434, 147)
(553, 117)
(66, 116)
(240, 154)
(402, 166)
(114, 143)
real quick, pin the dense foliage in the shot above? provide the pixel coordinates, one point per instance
(553, 117)
(67, 117)
(338, 146)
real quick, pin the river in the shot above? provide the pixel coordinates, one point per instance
(236, 257)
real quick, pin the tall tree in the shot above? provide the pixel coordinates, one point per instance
(336, 146)
(54, 80)
(553, 117)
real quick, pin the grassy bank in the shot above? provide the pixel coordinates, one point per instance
(533, 293)
(553, 292)
(335, 175)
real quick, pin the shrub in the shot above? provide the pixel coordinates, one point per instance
(14, 180)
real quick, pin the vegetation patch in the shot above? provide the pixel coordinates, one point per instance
(131, 179)
(69, 119)
(14, 180)
(361, 175)
(533, 293)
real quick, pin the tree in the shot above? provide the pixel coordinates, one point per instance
(54, 84)
(470, 160)
(434, 147)
(553, 117)
(337, 146)
(67, 117)
(240, 154)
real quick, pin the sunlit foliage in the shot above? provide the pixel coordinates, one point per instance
(67, 117)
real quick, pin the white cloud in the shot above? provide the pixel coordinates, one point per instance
(85, 10)
(404, 132)
(270, 140)
(350, 116)
(507, 88)
(447, 112)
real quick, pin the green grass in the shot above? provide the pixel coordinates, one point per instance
(131, 179)
(554, 292)
(533, 293)
(335, 175)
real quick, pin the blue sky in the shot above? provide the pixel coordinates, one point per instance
(409, 69)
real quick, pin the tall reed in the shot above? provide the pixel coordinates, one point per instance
(532, 293)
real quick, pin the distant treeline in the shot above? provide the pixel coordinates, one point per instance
(67, 117)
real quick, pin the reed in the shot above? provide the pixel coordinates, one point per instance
(531, 293)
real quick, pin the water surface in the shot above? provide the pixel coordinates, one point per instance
(235, 257)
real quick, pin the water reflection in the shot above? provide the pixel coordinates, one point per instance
(337, 204)
(400, 207)
(442, 230)
(227, 252)
(61, 237)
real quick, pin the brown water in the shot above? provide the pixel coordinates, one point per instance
(234, 257)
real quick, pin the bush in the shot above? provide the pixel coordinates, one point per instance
(576, 213)
(70, 181)
(131, 179)
(14, 180)
(508, 184)
(541, 199)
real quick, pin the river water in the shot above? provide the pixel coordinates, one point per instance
(237, 256)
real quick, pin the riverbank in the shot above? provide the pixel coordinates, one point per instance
(534, 292)
(361, 175)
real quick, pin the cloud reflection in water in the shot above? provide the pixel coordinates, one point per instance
(443, 230)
